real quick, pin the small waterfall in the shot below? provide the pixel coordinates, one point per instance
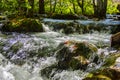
(46, 28)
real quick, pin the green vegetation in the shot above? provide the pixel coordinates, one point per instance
(80, 7)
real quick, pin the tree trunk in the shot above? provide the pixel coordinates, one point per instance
(74, 8)
(41, 7)
(31, 11)
(118, 7)
(50, 6)
(105, 8)
(95, 8)
(100, 7)
(54, 6)
(60, 6)
(81, 5)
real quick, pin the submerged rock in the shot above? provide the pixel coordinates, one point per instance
(70, 27)
(23, 25)
(67, 28)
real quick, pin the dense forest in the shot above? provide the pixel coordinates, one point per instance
(96, 8)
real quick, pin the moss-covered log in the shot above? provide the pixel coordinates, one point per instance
(115, 40)
(23, 25)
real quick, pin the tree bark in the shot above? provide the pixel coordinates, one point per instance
(41, 7)
(118, 7)
(60, 6)
(54, 6)
(50, 6)
(100, 7)
(74, 8)
(81, 5)
(115, 40)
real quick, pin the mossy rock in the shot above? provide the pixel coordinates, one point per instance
(72, 53)
(104, 74)
(67, 28)
(70, 27)
(64, 16)
(72, 48)
(23, 25)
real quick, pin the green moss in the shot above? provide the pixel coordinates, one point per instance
(23, 25)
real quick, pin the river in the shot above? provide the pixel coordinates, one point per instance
(24, 55)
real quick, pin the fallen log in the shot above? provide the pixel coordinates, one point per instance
(115, 40)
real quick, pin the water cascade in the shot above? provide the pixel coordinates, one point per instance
(23, 56)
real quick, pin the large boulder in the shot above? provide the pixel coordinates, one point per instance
(72, 55)
(75, 54)
(23, 25)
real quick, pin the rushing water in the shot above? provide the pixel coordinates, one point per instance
(23, 56)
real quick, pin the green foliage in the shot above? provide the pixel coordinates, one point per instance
(8, 5)
(62, 6)
(112, 7)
